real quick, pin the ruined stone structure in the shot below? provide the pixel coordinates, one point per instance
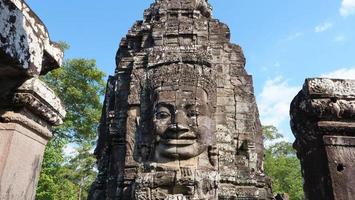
(28, 108)
(180, 119)
(323, 122)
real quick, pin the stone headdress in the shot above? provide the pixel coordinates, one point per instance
(176, 75)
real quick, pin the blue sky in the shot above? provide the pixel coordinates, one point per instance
(284, 41)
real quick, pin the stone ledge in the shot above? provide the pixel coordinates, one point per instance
(39, 98)
(330, 88)
(339, 141)
(21, 118)
(25, 41)
(325, 99)
(336, 125)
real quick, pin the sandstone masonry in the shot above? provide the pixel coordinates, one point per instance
(163, 63)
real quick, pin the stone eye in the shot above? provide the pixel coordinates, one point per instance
(162, 115)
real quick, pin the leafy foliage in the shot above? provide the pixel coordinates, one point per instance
(52, 180)
(81, 169)
(271, 133)
(80, 85)
(282, 165)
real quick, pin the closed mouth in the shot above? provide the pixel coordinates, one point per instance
(178, 142)
(179, 139)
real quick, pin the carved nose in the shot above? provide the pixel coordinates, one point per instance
(176, 127)
(179, 131)
(181, 120)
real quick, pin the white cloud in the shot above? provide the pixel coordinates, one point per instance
(343, 73)
(277, 64)
(323, 27)
(276, 96)
(340, 38)
(347, 7)
(294, 36)
(274, 101)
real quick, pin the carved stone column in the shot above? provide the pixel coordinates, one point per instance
(28, 108)
(323, 122)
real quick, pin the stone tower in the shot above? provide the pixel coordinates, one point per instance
(180, 119)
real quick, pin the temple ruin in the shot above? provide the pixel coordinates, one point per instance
(180, 119)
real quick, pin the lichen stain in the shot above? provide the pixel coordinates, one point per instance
(36, 166)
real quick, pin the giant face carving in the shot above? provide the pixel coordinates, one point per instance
(183, 123)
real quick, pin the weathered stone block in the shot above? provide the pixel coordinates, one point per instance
(323, 122)
(24, 40)
(20, 161)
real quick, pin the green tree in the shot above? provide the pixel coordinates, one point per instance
(52, 179)
(81, 169)
(80, 85)
(281, 164)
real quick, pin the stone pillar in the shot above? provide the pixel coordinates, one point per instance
(28, 108)
(323, 122)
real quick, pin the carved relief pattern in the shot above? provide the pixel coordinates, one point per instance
(41, 100)
(332, 87)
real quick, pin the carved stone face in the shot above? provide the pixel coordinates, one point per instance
(183, 124)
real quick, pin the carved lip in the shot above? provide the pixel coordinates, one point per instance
(179, 139)
(178, 142)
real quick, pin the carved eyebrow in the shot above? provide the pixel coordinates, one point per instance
(164, 104)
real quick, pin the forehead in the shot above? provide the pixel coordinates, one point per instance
(180, 94)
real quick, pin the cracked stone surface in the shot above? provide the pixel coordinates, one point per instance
(25, 41)
(25, 48)
(180, 119)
